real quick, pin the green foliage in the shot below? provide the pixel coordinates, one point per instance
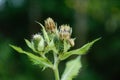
(36, 60)
(66, 46)
(81, 51)
(30, 45)
(59, 42)
(72, 69)
(45, 34)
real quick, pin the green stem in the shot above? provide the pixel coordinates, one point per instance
(55, 68)
(56, 73)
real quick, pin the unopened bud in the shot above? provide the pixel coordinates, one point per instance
(38, 42)
(37, 37)
(71, 41)
(50, 25)
(65, 32)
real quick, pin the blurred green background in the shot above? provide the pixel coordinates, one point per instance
(89, 19)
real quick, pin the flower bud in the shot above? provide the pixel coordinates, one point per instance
(50, 25)
(65, 32)
(37, 37)
(71, 41)
(38, 42)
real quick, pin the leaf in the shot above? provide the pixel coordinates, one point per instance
(30, 45)
(72, 69)
(52, 46)
(81, 51)
(18, 49)
(44, 33)
(66, 46)
(38, 63)
(36, 59)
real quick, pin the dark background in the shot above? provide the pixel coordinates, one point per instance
(89, 19)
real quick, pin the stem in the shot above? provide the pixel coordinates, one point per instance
(56, 73)
(55, 68)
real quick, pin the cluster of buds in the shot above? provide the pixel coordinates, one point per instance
(58, 42)
(63, 34)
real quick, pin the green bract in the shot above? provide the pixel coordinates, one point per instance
(58, 42)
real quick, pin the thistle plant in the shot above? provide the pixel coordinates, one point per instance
(57, 42)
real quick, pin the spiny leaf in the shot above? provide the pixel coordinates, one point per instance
(44, 33)
(72, 69)
(41, 61)
(81, 51)
(38, 63)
